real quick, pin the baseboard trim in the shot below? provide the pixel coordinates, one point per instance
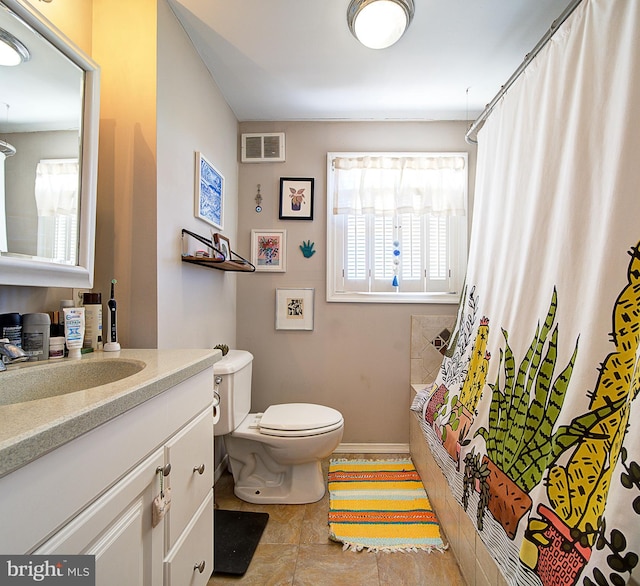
(368, 448)
(220, 468)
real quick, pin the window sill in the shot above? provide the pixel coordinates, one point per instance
(431, 298)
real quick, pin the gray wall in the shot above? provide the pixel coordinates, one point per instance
(357, 359)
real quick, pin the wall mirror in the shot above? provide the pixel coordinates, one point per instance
(49, 116)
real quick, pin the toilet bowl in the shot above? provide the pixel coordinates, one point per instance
(274, 456)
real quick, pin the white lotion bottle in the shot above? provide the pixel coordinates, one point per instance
(74, 330)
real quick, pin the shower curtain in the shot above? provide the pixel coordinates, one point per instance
(534, 416)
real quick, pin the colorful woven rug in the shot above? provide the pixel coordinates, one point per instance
(380, 505)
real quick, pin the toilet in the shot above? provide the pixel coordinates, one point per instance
(275, 457)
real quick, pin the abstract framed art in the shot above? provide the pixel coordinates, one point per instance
(294, 309)
(296, 198)
(269, 250)
(209, 192)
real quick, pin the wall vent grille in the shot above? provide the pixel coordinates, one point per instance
(263, 148)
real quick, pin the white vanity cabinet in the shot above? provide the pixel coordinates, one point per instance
(117, 530)
(94, 494)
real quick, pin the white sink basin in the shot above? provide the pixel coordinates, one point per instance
(30, 382)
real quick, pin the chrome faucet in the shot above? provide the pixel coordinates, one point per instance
(10, 353)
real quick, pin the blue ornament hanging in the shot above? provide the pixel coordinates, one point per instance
(396, 263)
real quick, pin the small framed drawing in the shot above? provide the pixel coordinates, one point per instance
(294, 309)
(222, 245)
(296, 199)
(209, 192)
(269, 250)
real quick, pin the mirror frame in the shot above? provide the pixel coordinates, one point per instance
(38, 273)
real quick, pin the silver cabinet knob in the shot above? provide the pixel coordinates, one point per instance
(200, 567)
(199, 469)
(166, 470)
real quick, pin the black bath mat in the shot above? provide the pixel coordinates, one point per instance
(235, 537)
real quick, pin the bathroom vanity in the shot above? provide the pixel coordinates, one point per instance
(80, 469)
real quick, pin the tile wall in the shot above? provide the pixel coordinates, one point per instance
(430, 335)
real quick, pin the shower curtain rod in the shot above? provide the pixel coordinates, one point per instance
(470, 137)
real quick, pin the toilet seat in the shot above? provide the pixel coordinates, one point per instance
(298, 420)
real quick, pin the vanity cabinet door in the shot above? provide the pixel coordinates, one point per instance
(190, 453)
(190, 563)
(117, 529)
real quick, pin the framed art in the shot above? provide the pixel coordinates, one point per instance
(209, 192)
(269, 250)
(222, 244)
(296, 198)
(294, 309)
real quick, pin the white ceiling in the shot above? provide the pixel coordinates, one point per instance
(297, 60)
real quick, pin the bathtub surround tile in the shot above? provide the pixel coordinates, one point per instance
(430, 335)
(297, 551)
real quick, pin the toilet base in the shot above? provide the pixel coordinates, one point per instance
(259, 479)
(300, 484)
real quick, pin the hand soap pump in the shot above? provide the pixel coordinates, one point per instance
(112, 330)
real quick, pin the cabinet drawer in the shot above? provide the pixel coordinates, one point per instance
(194, 550)
(189, 452)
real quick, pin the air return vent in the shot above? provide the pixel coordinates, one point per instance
(263, 147)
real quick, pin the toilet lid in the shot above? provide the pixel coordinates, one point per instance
(299, 417)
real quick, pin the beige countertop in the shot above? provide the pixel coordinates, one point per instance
(30, 429)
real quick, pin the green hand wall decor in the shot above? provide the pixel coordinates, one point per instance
(307, 248)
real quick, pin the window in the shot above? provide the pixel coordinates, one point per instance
(396, 227)
(56, 191)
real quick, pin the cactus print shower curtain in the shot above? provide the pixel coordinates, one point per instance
(535, 416)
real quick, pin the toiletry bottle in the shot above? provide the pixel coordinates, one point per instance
(56, 347)
(74, 330)
(92, 303)
(35, 335)
(11, 328)
(65, 303)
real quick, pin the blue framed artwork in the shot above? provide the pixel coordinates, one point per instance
(209, 192)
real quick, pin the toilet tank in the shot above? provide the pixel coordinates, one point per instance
(235, 389)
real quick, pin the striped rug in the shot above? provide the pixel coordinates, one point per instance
(380, 505)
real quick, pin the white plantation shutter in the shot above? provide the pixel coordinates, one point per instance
(411, 247)
(355, 267)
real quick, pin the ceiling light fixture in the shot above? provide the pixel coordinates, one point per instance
(378, 24)
(12, 51)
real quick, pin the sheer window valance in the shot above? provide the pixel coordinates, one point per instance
(390, 185)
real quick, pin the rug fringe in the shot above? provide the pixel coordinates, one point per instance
(376, 460)
(358, 547)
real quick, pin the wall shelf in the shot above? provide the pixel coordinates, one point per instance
(236, 263)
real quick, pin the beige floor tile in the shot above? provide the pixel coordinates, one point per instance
(315, 525)
(223, 494)
(329, 565)
(272, 565)
(284, 525)
(418, 568)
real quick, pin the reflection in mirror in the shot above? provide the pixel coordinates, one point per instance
(48, 156)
